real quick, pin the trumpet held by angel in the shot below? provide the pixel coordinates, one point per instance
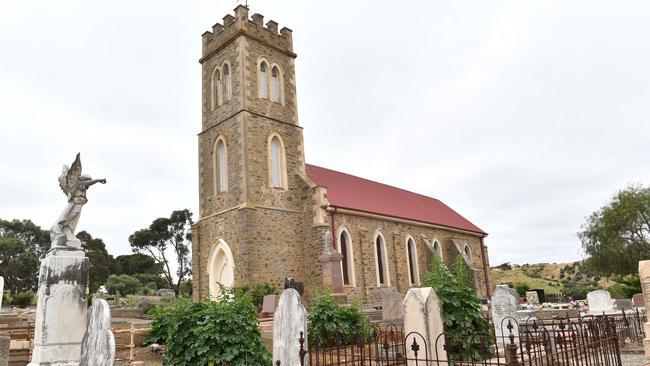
(74, 184)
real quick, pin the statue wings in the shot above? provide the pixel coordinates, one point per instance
(70, 175)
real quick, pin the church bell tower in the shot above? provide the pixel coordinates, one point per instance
(251, 159)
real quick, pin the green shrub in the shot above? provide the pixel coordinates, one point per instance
(6, 298)
(330, 323)
(461, 306)
(198, 333)
(522, 288)
(145, 279)
(257, 292)
(24, 299)
(124, 284)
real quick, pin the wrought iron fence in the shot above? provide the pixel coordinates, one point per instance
(591, 341)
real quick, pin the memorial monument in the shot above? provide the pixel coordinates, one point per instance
(61, 311)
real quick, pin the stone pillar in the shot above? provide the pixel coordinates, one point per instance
(5, 343)
(423, 316)
(61, 312)
(644, 276)
(289, 320)
(504, 310)
(331, 262)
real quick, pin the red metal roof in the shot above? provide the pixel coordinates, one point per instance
(358, 194)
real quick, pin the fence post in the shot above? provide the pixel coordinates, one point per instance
(511, 348)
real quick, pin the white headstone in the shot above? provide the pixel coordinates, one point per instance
(423, 316)
(599, 301)
(98, 345)
(2, 290)
(391, 306)
(289, 320)
(504, 310)
(532, 297)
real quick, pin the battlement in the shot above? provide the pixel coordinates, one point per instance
(240, 23)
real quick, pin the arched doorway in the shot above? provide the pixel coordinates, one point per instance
(221, 268)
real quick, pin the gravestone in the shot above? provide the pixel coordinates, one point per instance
(524, 316)
(98, 345)
(391, 306)
(504, 310)
(5, 344)
(638, 300)
(644, 276)
(532, 297)
(599, 301)
(2, 290)
(289, 320)
(514, 293)
(269, 304)
(423, 316)
(623, 304)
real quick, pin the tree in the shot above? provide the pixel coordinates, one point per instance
(101, 263)
(22, 244)
(617, 236)
(124, 284)
(461, 306)
(18, 265)
(164, 234)
(522, 288)
(134, 264)
(36, 239)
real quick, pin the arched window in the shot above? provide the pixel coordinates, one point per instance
(228, 82)
(275, 84)
(347, 263)
(412, 262)
(277, 165)
(437, 249)
(220, 165)
(263, 81)
(468, 252)
(383, 277)
(216, 88)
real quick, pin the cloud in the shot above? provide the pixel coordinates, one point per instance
(523, 117)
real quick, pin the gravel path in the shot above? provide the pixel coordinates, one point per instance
(632, 359)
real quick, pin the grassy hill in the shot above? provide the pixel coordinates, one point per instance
(554, 278)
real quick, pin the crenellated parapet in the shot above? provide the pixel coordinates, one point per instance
(241, 24)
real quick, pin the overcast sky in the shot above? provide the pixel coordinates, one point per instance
(523, 116)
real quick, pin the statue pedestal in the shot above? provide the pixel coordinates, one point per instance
(61, 313)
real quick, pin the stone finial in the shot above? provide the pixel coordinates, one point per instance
(228, 20)
(272, 26)
(258, 19)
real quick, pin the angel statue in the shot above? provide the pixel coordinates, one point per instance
(74, 185)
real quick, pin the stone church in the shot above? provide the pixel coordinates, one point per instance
(265, 214)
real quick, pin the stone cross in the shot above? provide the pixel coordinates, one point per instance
(289, 320)
(423, 323)
(330, 259)
(98, 345)
(644, 276)
(599, 301)
(504, 314)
